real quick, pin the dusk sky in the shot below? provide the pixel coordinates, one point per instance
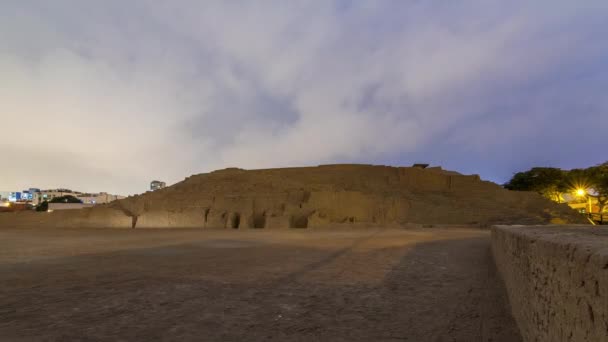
(109, 95)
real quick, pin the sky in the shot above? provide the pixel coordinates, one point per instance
(109, 95)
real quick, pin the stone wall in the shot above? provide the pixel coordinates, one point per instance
(557, 280)
(95, 217)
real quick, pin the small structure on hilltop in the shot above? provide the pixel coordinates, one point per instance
(157, 185)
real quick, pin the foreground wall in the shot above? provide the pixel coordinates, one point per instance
(557, 280)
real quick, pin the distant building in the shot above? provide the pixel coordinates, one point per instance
(17, 196)
(14, 196)
(157, 185)
(47, 195)
(28, 195)
(4, 195)
(100, 198)
(86, 198)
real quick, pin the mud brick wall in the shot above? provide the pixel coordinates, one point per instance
(557, 280)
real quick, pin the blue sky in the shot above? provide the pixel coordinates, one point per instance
(108, 95)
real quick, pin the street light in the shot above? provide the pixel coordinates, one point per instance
(580, 192)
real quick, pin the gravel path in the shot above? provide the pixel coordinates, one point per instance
(214, 285)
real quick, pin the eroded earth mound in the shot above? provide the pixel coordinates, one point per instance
(315, 197)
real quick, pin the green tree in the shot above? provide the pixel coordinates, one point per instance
(65, 199)
(44, 206)
(597, 177)
(552, 182)
(548, 181)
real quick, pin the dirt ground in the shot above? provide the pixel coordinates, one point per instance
(225, 285)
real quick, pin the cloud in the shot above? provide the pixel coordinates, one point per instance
(111, 95)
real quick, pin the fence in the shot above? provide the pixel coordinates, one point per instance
(599, 218)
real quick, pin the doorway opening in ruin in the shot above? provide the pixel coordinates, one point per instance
(235, 221)
(207, 214)
(224, 219)
(259, 220)
(299, 221)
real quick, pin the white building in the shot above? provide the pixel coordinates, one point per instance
(4, 195)
(100, 198)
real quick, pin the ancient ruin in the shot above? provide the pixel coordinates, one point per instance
(279, 246)
(344, 195)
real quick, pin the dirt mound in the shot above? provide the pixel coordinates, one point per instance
(328, 195)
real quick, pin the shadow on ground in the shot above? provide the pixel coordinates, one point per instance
(231, 289)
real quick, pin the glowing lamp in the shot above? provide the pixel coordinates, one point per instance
(581, 192)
